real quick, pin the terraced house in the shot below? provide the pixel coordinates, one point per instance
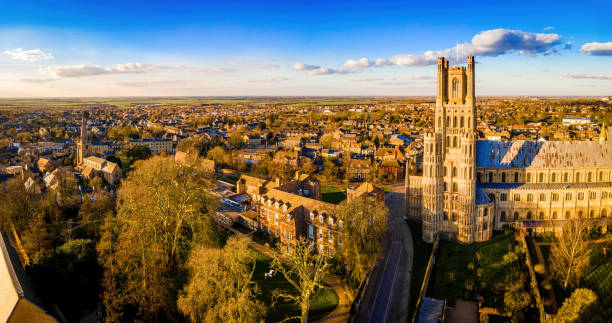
(293, 210)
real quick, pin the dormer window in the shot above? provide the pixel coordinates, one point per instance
(270, 202)
(276, 205)
(340, 223)
(331, 222)
(321, 218)
(312, 215)
(285, 207)
(263, 199)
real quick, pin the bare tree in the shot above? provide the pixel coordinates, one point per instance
(569, 258)
(304, 269)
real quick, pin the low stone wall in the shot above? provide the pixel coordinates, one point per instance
(430, 264)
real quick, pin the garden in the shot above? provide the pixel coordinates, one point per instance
(331, 194)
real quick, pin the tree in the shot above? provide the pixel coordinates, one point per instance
(66, 186)
(576, 307)
(235, 139)
(304, 269)
(364, 225)
(569, 256)
(163, 208)
(326, 140)
(17, 207)
(135, 152)
(220, 288)
(308, 167)
(516, 298)
(219, 155)
(330, 170)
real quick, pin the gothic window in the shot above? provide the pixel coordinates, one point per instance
(447, 121)
(454, 217)
(555, 197)
(553, 178)
(568, 215)
(439, 122)
(445, 173)
(503, 179)
(462, 122)
(566, 177)
(503, 197)
(454, 122)
(541, 180)
(528, 178)
(455, 189)
(454, 141)
(516, 177)
(568, 196)
(590, 177)
(515, 216)
(529, 197)
(529, 216)
(445, 187)
(580, 196)
(542, 197)
(478, 177)
(484, 226)
(580, 214)
(601, 176)
(593, 195)
(517, 197)
(454, 171)
(502, 216)
(470, 150)
(592, 214)
(541, 216)
(456, 88)
(490, 177)
(554, 215)
(604, 195)
(577, 178)
(604, 213)
(445, 216)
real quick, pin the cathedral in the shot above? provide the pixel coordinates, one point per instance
(468, 187)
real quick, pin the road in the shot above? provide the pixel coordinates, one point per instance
(387, 294)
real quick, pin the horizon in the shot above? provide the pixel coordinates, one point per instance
(300, 49)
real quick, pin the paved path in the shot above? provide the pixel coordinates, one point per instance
(341, 312)
(387, 294)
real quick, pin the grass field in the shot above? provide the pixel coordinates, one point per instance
(323, 302)
(332, 194)
(451, 271)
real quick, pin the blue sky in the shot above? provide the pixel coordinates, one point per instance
(145, 48)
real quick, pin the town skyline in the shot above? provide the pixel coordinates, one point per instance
(300, 49)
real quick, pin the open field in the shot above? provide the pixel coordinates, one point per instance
(323, 302)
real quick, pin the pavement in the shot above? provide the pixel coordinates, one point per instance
(387, 294)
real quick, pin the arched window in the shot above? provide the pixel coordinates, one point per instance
(554, 215)
(553, 178)
(529, 197)
(541, 216)
(566, 177)
(515, 216)
(529, 216)
(439, 122)
(454, 122)
(592, 214)
(445, 174)
(456, 88)
(490, 177)
(502, 216)
(447, 121)
(528, 178)
(604, 213)
(590, 177)
(453, 217)
(503, 177)
(445, 187)
(462, 123)
(541, 180)
(577, 178)
(516, 177)
(455, 187)
(580, 214)
(454, 171)
(455, 141)
(568, 215)
(445, 216)
(470, 150)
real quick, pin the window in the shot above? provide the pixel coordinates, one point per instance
(320, 233)
(541, 180)
(566, 177)
(492, 197)
(528, 177)
(568, 196)
(445, 171)
(455, 142)
(601, 176)
(604, 213)
(455, 122)
(515, 216)
(542, 197)
(529, 197)
(577, 178)
(445, 216)
(604, 195)
(455, 189)
(454, 171)
(580, 214)
(529, 215)
(490, 177)
(593, 195)
(462, 123)
(553, 178)
(590, 177)
(502, 216)
(445, 187)
(454, 217)
(555, 197)
(503, 197)
(554, 215)
(478, 177)
(484, 226)
(580, 196)
(503, 177)
(516, 177)
(485, 212)
(592, 214)
(310, 231)
(568, 215)
(517, 197)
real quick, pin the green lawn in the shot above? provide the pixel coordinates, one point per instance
(331, 194)
(451, 271)
(325, 300)
(422, 251)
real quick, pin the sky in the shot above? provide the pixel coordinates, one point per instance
(301, 48)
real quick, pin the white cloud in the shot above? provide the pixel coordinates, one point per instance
(588, 76)
(269, 80)
(597, 49)
(74, 71)
(548, 28)
(318, 70)
(31, 55)
(492, 42)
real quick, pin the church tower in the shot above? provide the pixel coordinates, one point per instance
(449, 182)
(83, 142)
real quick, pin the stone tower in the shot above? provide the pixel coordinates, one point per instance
(83, 142)
(449, 180)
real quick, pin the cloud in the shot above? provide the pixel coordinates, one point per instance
(587, 76)
(318, 70)
(32, 55)
(548, 28)
(568, 45)
(597, 49)
(75, 71)
(492, 42)
(269, 80)
(37, 80)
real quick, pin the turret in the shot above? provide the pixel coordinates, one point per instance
(471, 95)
